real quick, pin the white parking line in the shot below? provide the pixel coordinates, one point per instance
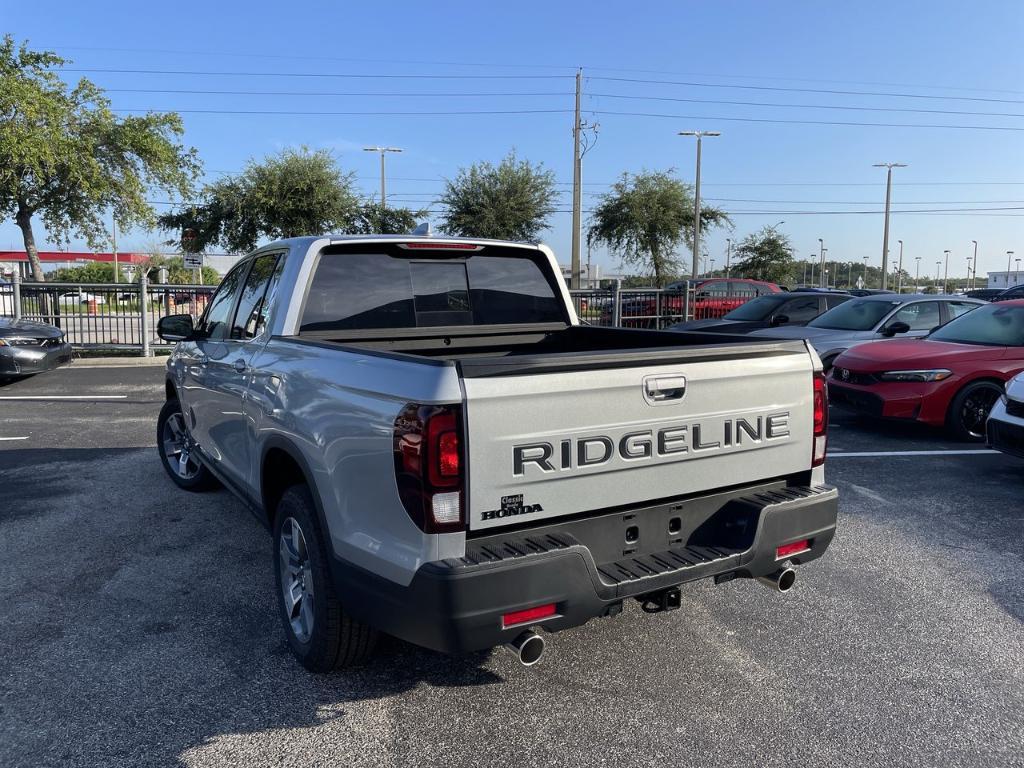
(84, 398)
(873, 454)
(14, 438)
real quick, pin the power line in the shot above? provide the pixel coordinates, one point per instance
(831, 91)
(810, 122)
(344, 75)
(299, 113)
(337, 93)
(805, 106)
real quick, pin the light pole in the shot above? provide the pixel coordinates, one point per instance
(1016, 275)
(945, 279)
(382, 151)
(971, 281)
(728, 255)
(849, 276)
(899, 270)
(917, 277)
(888, 198)
(712, 268)
(866, 271)
(1009, 255)
(696, 196)
(938, 266)
(821, 246)
(824, 272)
(967, 285)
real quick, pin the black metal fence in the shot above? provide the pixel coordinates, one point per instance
(97, 315)
(654, 307)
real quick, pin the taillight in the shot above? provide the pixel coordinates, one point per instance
(820, 436)
(429, 466)
(527, 616)
(795, 548)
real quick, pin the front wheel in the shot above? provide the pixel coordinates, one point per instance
(321, 635)
(970, 408)
(177, 450)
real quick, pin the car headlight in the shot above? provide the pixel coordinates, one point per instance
(18, 341)
(934, 374)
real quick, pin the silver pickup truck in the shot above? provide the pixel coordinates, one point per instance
(445, 454)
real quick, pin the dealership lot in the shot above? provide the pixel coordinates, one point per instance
(139, 626)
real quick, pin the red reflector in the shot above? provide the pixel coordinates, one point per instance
(441, 246)
(787, 550)
(448, 454)
(527, 615)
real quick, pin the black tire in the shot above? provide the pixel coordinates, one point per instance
(194, 477)
(330, 639)
(970, 408)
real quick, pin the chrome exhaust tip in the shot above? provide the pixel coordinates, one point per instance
(527, 647)
(780, 581)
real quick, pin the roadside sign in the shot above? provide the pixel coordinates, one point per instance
(192, 260)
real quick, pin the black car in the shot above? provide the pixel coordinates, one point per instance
(768, 311)
(28, 347)
(985, 294)
(1016, 292)
(868, 291)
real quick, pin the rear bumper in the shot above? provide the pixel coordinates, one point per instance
(24, 361)
(587, 569)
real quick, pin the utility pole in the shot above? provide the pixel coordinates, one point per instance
(383, 188)
(577, 185)
(696, 198)
(888, 199)
(821, 268)
(945, 279)
(917, 277)
(113, 240)
(728, 257)
(899, 270)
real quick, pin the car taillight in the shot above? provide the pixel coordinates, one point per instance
(527, 616)
(429, 466)
(796, 548)
(820, 436)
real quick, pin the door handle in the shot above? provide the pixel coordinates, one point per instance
(660, 389)
(239, 365)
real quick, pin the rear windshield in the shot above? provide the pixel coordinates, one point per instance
(757, 309)
(991, 325)
(394, 288)
(854, 315)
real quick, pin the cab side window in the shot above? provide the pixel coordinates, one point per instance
(920, 316)
(957, 308)
(254, 303)
(800, 310)
(216, 320)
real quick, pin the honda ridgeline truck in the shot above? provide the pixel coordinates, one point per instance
(446, 454)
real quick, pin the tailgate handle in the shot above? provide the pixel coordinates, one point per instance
(660, 389)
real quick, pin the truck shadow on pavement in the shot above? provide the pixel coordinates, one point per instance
(139, 622)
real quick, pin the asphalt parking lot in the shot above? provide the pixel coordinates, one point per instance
(138, 626)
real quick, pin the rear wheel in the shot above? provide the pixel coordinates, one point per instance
(970, 408)
(321, 635)
(177, 450)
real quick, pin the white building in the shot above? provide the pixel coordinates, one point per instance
(1005, 279)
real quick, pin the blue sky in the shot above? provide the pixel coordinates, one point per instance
(940, 55)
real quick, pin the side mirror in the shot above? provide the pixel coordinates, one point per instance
(778, 320)
(893, 328)
(175, 328)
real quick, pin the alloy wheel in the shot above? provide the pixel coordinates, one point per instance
(177, 445)
(296, 580)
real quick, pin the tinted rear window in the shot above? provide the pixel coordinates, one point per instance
(399, 289)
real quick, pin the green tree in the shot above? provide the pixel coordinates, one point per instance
(644, 219)
(375, 219)
(513, 200)
(765, 255)
(297, 192)
(93, 272)
(66, 158)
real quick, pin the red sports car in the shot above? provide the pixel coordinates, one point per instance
(950, 378)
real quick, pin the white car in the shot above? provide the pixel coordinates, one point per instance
(1006, 421)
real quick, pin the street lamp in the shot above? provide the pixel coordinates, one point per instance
(1016, 275)
(696, 195)
(917, 276)
(849, 276)
(888, 198)
(712, 268)
(945, 279)
(938, 266)
(821, 245)
(382, 151)
(972, 281)
(824, 272)
(728, 254)
(899, 270)
(866, 271)
(1009, 255)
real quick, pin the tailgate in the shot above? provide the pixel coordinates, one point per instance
(565, 442)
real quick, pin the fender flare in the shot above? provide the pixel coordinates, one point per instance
(279, 442)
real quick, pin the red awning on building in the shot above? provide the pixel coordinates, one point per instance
(65, 256)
